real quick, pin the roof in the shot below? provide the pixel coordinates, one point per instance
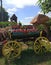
(13, 16)
(40, 19)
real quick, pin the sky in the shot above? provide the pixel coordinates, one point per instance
(25, 10)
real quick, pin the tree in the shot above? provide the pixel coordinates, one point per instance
(20, 23)
(45, 5)
(4, 14)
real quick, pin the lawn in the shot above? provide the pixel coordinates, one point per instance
(29, 58)
(2, 62)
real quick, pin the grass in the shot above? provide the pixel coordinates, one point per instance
(30, 58)
(2, 62)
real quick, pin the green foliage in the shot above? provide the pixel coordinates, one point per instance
(45, 5)
(3, 15)
(41, 27)
(4, 24)
(48, 23)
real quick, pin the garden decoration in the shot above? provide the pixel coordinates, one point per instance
(26, 38)
(20, 41)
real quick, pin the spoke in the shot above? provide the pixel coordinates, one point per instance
(37, 50)
(12, 43)
(8, 55)
(13, 54)
(8, 45)
(40, 41)
(17, 50)
(44, 38)
(37, 47)
(44, 49)
(16, 47)
(6, 51)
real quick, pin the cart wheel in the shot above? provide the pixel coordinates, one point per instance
(11, 49)
(41, 45)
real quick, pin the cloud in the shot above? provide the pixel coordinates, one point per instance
(49, 14)
(11, 11)
(25, 23)
(13, 5)
(21, 3)
(28, 18)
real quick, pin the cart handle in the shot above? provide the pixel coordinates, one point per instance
(40, 33)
